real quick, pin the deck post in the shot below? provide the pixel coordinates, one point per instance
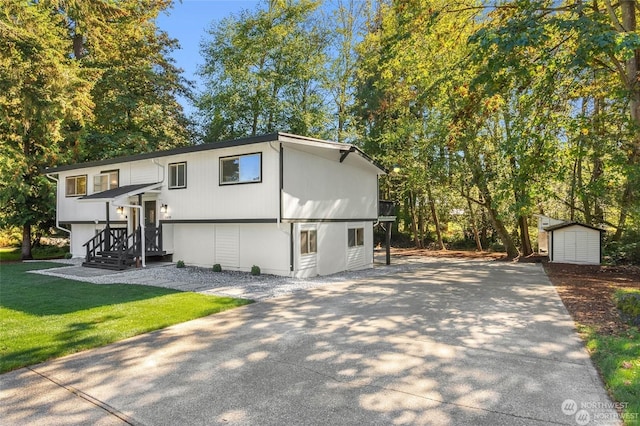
(107, 233)
(388, 243)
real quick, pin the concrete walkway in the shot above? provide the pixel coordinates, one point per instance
(454, 342)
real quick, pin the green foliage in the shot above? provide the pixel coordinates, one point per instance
(68, 255)
(39, 252)
(617, 359)
(43, 317)
(628, 303)
(79, 81)
(263, 72)
(217, 268)
(255, 270)
(180, 264)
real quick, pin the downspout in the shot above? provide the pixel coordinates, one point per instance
(143, 247)
(68, 231)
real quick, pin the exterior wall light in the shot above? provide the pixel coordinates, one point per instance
(120, 210)
(164, 208)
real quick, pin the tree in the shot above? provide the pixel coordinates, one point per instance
(41, 88)
(263, 72)
(67, 69)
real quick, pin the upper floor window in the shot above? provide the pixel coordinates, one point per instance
(356, 237)
(241, 169)
(177, 175)
(76, 185)
(308, 241)
(106, 180)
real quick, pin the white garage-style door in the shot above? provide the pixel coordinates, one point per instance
(576, 244)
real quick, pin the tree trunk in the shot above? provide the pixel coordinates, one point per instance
(628, 8)
(476, 234)
(26, 242)
(524, 236)
(414, 220)
(434, 216)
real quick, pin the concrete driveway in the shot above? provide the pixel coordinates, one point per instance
(446, 343)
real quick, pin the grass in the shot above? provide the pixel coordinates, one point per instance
(618, 360)
(12, 254)
(43, 317)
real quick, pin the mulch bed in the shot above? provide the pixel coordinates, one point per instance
(587, 292)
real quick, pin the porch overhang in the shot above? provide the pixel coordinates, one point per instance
(110, 195)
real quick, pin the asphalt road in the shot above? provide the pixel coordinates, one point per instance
(446, 343)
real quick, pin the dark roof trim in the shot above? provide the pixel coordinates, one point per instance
(157, 154)
(120, 191)
(271, 137)
(571, 223)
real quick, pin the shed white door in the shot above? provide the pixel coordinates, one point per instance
(577, 245)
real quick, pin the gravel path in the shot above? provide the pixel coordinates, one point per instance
(226, 283)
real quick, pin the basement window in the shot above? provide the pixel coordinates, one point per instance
(308, 241)
(355, 237)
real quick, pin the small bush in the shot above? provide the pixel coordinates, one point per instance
(255, 270)
(68, 255)
(180, 264)
(217, 268)
(628, 304)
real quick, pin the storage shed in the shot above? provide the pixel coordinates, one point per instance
(574, 242)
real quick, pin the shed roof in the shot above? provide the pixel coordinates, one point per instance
(571, 223)
(271, 137)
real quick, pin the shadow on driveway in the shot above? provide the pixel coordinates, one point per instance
(449, 343)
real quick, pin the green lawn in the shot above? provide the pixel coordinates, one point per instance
(43, 317)
(618, 360)
(42, 252)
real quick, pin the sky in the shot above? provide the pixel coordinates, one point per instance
(187, 22)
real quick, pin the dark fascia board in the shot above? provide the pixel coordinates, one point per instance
(270, 137)
(342, 146)
(571, 223)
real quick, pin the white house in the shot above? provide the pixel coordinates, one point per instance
(573, 242)
(289, 204)
(543, 238)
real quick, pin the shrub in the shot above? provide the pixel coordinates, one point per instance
(217, 268)
(255, 270)
(68, 255)
(628, 304)
(180, 264)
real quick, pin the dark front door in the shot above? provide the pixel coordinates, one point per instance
(152, 238)
(150, 213)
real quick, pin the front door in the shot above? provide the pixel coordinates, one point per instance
(152, 240)
(150, 213)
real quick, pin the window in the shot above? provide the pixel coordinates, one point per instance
(105, 180)
(308, 241)
(76, 185)
(356, 237)
(241, 169)
(177, 175)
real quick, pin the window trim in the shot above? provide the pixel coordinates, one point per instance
(359, 230)
(107, 173)
(75, 178)
(309, 231)
(221, 159)
(185, 175)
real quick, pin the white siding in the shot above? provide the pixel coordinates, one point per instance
(318, 186)
(227, 252)
(233, 246)
(576, 244)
